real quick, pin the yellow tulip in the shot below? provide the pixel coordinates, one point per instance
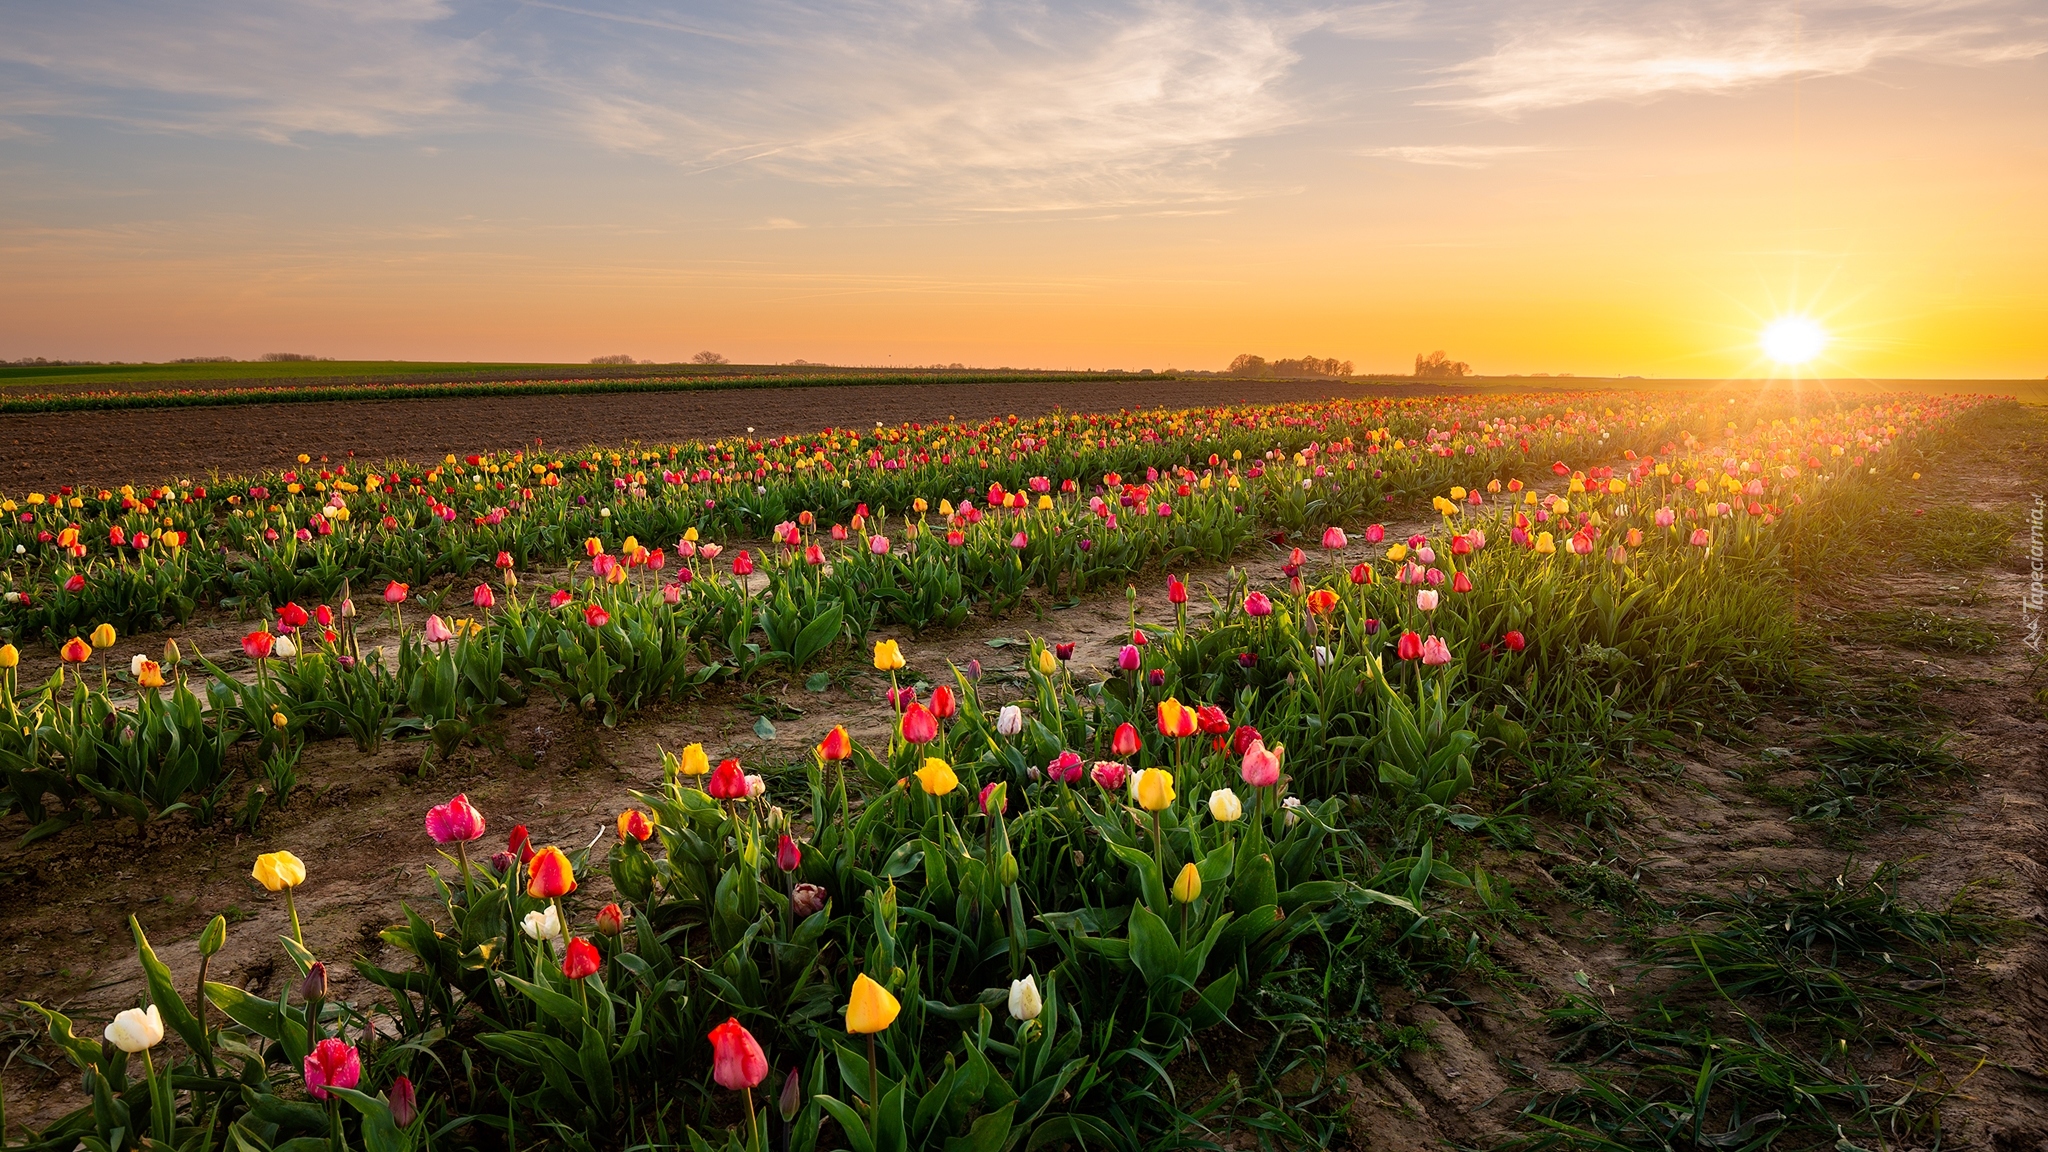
(1046, 662)
(103, 636)
(1397, 552)
(1155, 789)
(10, 656)
(278, 871)
(937, 777)
(695, 762)
(1545, 545)
(888, 656)
(1188, 885)
(871, 1008)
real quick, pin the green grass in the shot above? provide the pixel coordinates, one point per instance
(1927, 631)
(53, 376)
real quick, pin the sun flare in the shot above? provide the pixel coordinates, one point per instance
(1794, 340)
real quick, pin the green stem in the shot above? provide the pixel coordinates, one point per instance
(292, 906)
(874, 1089)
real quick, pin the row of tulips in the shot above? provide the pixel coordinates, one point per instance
(629, 625)
(139, 557)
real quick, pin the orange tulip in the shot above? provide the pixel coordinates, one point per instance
(549, 875)
(1322, 601)
(75, 651)
(836, 745)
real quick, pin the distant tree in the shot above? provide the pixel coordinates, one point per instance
(708, 357)
(1250, 365)
(1436, 365)
(291, 357)
(614, 358)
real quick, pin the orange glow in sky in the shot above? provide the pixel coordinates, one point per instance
(1617, 188)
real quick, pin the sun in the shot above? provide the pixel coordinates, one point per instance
(1793, 340)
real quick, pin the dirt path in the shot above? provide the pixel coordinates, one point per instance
(150, 446)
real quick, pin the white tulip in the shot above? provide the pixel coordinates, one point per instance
(1010, 720)
(135, 665)
(136, 1029)
(756, 786)
(284, 649)
(545, 924)
(1025, 1002)
(1225, 807)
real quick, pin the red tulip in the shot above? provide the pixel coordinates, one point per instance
(743, 564)
(611, 920)
(1242, 739)
(1213, 720)
(76, 583)
(728, 782)
(581, 960)
(919, 725)
(482, 597)
(789, 855)
(1409, 647)
(520, 843)
(504, 560)
(944, 704)
(1176, 592)
(595, 615)
(394, 593)
(737, 1062)
(292, 616)
(257, 645)
(1461, 583)
(1515, 641)
(455, 821)
(634, 825)
(1125, 741)
(559, 597)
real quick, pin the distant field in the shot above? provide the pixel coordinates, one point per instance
(16, 378)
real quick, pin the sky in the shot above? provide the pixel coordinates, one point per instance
(1611, 187)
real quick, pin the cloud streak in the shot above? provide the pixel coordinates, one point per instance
(1640, 52)
(272, 69)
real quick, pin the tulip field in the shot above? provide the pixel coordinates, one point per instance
(1376, 681)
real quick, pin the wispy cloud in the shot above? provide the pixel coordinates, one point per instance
(273, 69)
(1450, 155)
(968, 104)
(1637, 51)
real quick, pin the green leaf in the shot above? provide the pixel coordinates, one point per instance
(763, 728)
(1152, 946)
(163, 993)
(988, 1134)
(818, 682)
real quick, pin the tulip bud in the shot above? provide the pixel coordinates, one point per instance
(1006, 870)
(1188, 885)
(313, 989)
(404, 1105)
(214, 937)
(792, 1100)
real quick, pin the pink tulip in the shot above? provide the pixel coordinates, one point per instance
(332, 1064)
(483, 598)
(1701, 538)
(394, 593)
(879, 545)
(457, 820)
(1426, 600)
(1260, 767)
(437, 631)
(1435, 651)
(1333, 538)
(1109, 775)
(1257, 604)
